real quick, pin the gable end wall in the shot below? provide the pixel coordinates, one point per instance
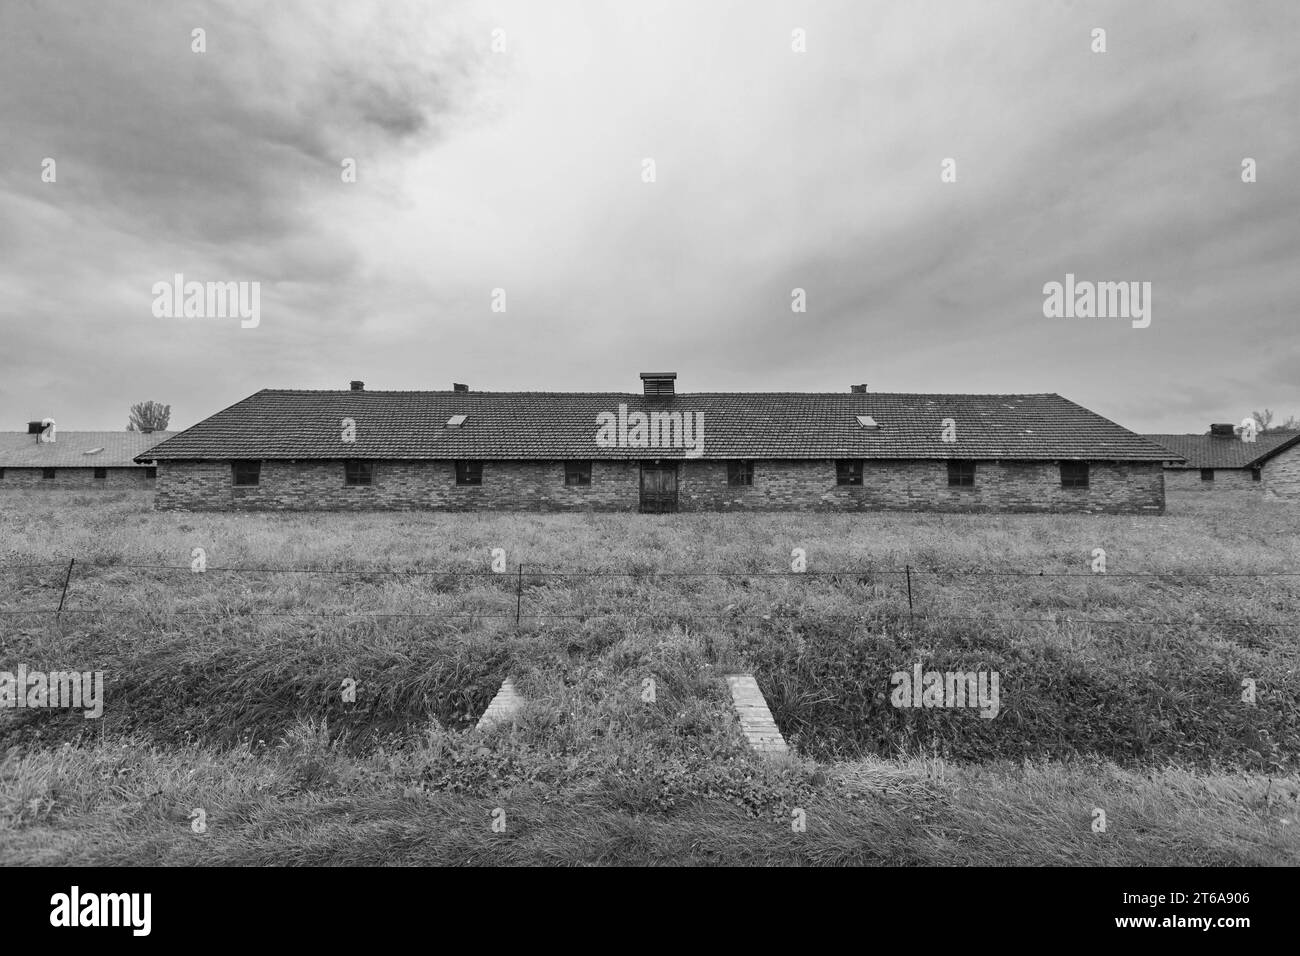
(1281, 476)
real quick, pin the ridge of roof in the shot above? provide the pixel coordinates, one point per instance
(440, 391)
(1288, 432)
(69, 433)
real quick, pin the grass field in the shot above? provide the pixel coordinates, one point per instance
(1119, 692)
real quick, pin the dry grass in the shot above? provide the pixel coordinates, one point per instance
(212, 704)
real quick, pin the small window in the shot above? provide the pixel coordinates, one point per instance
(47, 472)
(577, 472)
(246, 473)
(469, 472)
(740, 472)
(961, 474)
(456, 421)
(151, 472)
(1074, 474)
(359, 472)
(1255, 474)
(848, 471)
(1207, 474)
(101, 473)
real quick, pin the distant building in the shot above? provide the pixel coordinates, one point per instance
(656, 451)
(1219, 460)
(85, 460)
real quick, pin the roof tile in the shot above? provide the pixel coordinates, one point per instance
(556, 425)
(73, 449)
(1225, 451)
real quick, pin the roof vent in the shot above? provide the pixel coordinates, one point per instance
(866, 421)
(458, 387)
(858, 389)
(659, 384)
(1222, 430)
(456, 421)
(358, 386)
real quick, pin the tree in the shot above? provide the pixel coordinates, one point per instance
(149, 417)
(1265, 421)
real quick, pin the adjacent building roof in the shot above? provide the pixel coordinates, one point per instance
(563, 425)
(1225, 451)
(78, 449)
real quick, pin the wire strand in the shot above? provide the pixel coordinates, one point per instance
(1162, 622)
(510, 575)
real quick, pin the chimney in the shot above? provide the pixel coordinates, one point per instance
(858, 389)
(1223, 431)
(458, 387)
(39, 429)
(659, 384)
(358, 386)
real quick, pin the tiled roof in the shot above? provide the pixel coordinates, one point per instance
(1226, 451)
(77, 449)
(563, 425)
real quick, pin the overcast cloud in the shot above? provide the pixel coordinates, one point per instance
(522, 170)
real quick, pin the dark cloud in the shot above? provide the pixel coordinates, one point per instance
(522, 170)
(223, 145)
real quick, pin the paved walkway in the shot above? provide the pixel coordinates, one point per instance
(755, 719)
(504, 706)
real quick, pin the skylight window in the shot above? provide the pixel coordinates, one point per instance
(456, 421)
(866, 421)
(93, 451)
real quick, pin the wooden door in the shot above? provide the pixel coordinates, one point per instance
(658, 487)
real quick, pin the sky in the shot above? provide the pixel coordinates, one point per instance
(503, 146)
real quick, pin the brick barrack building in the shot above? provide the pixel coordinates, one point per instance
(48, 458)
(1220, 460)
(658, 450)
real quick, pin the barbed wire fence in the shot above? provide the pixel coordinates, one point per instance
(518, 585)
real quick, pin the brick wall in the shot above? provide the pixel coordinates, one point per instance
(778, 485)
(317, 485)
(1281, 478)
(923, 486)
(1235, 480)
(119, 478)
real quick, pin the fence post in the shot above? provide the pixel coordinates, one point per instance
(67, 578)
(908, 570)
(519, 593)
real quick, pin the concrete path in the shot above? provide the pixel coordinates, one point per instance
(755, 719)
(504, 706)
